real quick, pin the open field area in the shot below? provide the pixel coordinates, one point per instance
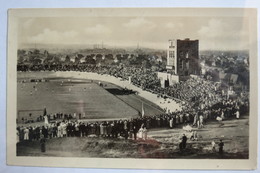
(73, 96)
(161, 143)
(80, 96)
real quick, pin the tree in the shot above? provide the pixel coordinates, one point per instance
(36, 61)
(90, 60)
(109, 59)
(119, 57)
(77, 60)
(146, 64)
(80, 56)
(21, 52)
(56, 60)
(20, 59)
(67, 59)
(36, 51)
(46, 53)
(99, 58)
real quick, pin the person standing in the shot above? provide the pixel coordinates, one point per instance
(97, 129)
(135, 132)
(76, 133)
(50, 128)
(59, 131)
(213, 146)
(221, 145)
(64, 130)
(101, 126)
(237, 114)
(105, 129)
(113, 130)
(38, 132)
(126, 129)
(54, 130)
(192, 136)
(187, 117)
(46, 121)
(181, 118)
(145, 133)
(195, 120)
(222, 115)
(109, 129)
(198, 123)
(171, 123)
(131, 126)
(184, 141)
(196, 135)
(26, 134)
(42, 142)
(30, 133)
(140, 132)
(201, 119)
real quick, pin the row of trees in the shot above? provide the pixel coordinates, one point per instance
(35, 57)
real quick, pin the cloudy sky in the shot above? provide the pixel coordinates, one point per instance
(223, 33)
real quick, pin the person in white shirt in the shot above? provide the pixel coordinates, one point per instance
(213, 146)
(171, 123)
(140, 132)
(237, 114)
(145, 133)
(59, 131)
(201, 124)
(26, 134)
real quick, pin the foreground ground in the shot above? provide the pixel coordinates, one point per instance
(162, 143)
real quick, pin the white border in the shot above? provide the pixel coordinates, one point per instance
(77, 3)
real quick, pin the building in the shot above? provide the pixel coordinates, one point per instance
(183, 57)
(182, 61)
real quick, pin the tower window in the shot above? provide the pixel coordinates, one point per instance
(187, 54)
(181, 64)
(171, 45)
(171, 54)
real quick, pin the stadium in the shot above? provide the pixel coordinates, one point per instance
(143, 105)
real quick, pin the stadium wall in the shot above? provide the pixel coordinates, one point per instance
(167, 79)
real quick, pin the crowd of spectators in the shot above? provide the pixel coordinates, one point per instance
(202, 100)
(66, 126)
(194, 91)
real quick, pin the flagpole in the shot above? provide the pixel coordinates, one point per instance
(142, 109)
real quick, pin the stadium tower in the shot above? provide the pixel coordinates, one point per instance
(182, 61)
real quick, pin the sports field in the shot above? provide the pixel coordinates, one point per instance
(70, 95)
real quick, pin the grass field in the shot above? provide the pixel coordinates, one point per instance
(80, 96)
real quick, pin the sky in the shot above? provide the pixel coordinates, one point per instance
(213, 33)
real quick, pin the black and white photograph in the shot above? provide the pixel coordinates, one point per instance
(169, 84)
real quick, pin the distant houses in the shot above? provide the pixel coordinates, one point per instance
(101, 57)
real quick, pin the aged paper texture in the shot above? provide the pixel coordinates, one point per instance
(147, 88)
